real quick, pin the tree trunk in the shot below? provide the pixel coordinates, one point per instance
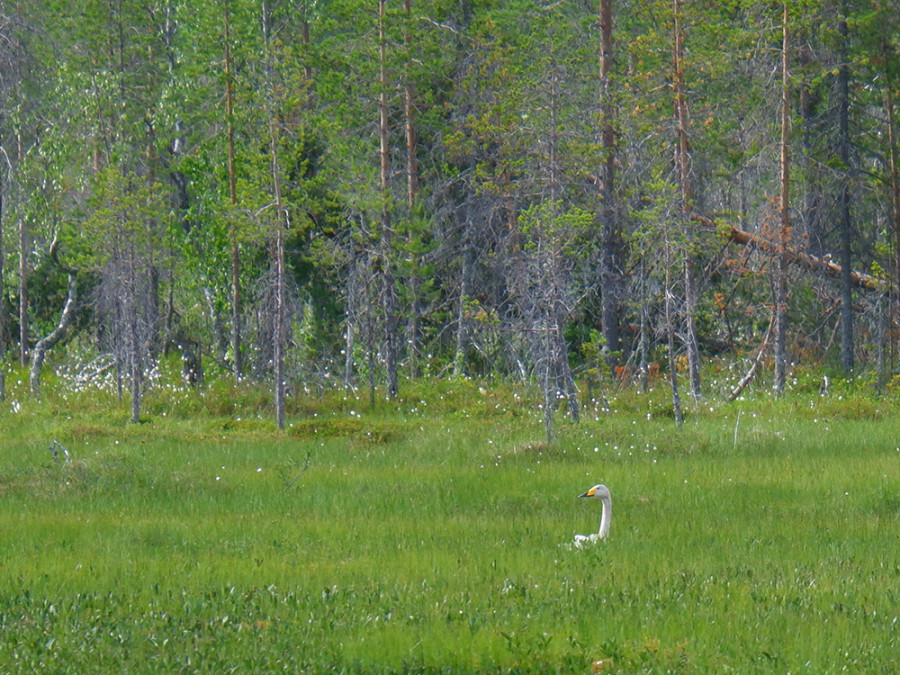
(412, 186)
(278, 333)
(282, 223)
(23, 267)
(412, 177)
(670, 340)
(349, 331)
(389, 293)
(217, 325)
(609, 274)
(154, 325)
(784, 216)
(751, 373)
(135, 348)
(560, 313)
(882, 308)
(894, 185)
(462, 323)
(466, 257)
(50, 340)
(812, 198)
(644, 340)
(23, 293)
(547, 380)
(237, 357)
(370, 348)
(807, 261)
(683, 160)
(895, 177)
(845, 225)
(4, 316)
(565, 372)
(354, 275)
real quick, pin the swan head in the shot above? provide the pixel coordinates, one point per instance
(597, 492)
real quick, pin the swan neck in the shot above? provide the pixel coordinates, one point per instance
(605, 516)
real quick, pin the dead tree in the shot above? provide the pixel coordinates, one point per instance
(807, 261)
(781, 294)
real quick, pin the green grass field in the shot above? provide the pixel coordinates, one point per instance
(433, 535)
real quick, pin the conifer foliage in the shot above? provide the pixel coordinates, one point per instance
(353, 192)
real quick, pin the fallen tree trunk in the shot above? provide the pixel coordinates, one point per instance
(808, 261)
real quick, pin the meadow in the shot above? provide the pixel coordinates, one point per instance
(433, 534)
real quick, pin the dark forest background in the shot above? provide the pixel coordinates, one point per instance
(312, 194)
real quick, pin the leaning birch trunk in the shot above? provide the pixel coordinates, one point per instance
(50, 340)
(748, 377)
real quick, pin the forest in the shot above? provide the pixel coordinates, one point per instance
(318, 317)
(319, 193)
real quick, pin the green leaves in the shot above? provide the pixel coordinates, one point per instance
(114, 124)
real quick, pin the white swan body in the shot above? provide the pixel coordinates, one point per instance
(600, 492)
